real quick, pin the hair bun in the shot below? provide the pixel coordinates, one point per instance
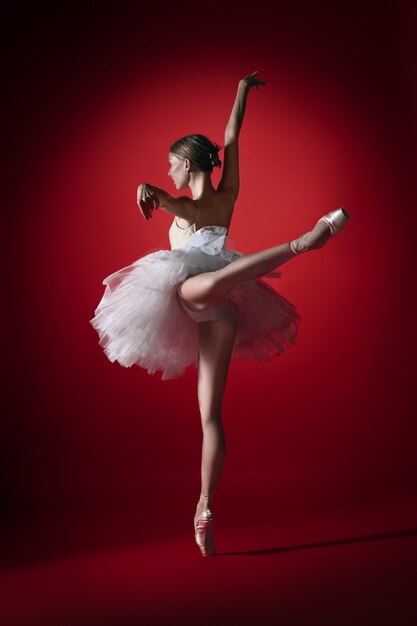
(199, 150)
(214, 160)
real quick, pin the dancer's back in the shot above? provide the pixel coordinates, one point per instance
(214, 210)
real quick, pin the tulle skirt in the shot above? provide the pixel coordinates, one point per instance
(142, 321)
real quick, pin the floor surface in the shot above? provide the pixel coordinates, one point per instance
(346, 567)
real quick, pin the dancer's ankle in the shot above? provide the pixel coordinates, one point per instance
(206, 500)
(312, 240)
(300, 245)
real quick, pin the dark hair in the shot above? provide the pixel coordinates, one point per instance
(199, 150)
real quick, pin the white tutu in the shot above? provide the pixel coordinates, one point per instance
(140, 319)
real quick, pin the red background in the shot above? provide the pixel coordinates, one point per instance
(95, 99)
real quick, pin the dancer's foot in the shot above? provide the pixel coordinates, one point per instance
(203, 505)
(203, 526)
(328, 226)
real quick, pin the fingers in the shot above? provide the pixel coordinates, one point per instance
(152, 198)
(144, 209)
(147, 200)
(254, 82)
(142, 201)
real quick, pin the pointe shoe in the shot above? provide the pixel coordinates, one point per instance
(204, 533)
(335, 221)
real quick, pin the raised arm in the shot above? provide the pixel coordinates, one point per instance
(230, 179)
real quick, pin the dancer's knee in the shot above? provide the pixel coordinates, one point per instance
(199, 291)
(211, 418)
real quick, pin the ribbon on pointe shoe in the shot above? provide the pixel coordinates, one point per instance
(300, 245)
(204, 534)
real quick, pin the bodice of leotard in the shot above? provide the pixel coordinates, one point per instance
(178, 235)
(205, 235)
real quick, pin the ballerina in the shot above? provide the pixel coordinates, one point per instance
(201, 303)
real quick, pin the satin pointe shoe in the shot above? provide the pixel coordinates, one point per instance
(327, 227)
(204, 533)
(203, 528)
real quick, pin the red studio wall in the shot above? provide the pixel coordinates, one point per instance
(94, 102)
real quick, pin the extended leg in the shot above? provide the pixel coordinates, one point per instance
(207, 289)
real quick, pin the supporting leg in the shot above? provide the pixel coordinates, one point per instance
(216, 339)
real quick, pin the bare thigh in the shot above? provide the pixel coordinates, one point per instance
(201, 291)
(215, 340)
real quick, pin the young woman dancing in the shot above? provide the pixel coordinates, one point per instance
(199, 302)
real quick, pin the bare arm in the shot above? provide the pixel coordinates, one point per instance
(230, 179)
(150, 198)
(238, 111)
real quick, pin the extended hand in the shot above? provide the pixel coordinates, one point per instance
(147, 200)
(251, 81)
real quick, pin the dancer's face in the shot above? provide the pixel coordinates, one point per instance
(178, 171)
